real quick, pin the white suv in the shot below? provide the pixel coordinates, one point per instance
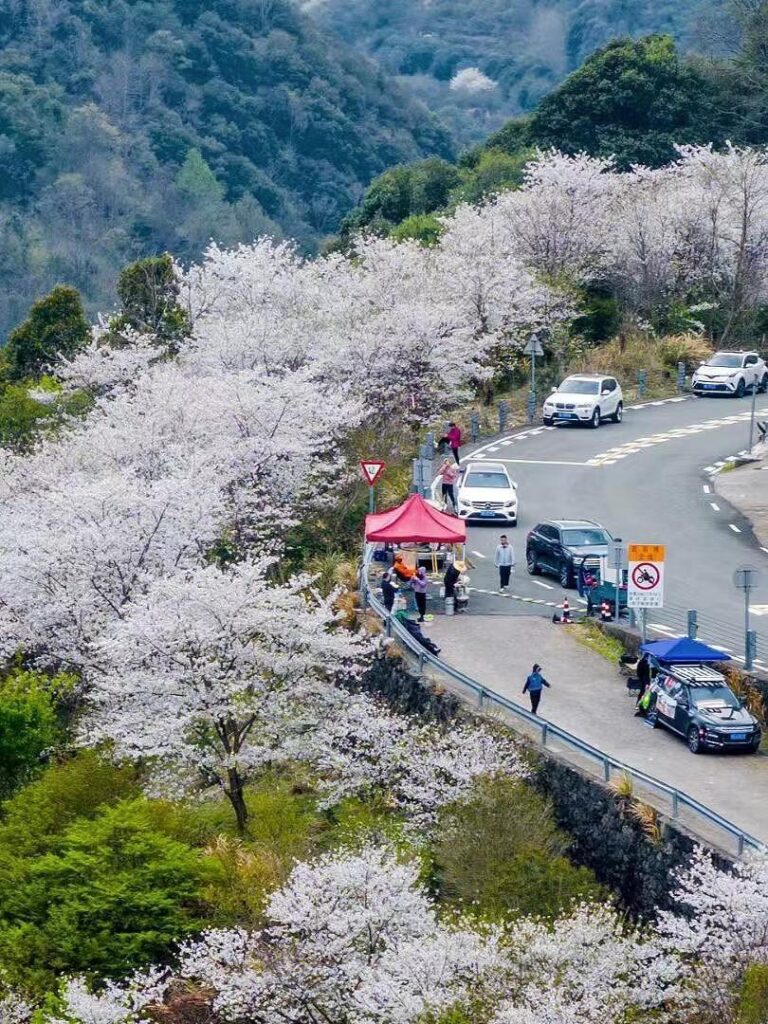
(585, 398)
(730, 373)
(486, 492)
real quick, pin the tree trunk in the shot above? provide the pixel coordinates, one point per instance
(234, 792)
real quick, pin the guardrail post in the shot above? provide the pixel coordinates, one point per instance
(606, 769)
(388, 629)
(480, 697)
(421, 664)
(474, 425)
(740, 848)
(675, 804)
(544, 733)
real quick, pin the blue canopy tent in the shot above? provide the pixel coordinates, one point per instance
(683, 651)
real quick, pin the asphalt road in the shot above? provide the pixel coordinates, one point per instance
(646, 480)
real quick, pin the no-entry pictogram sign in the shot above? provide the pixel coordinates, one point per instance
(372, 471)
(645, 583)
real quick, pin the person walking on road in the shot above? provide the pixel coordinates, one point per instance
(388, 591)
(504, 561)
(449, 473)
(420, 584)
(453, 438)
(533, 686)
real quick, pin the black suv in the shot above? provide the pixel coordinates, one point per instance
(696, 702)
(561, 546)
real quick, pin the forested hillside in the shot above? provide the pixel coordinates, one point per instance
(520, 49)
(133, 127)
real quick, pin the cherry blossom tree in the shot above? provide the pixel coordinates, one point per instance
(362, 747)
(211, 671)
(351, 938)
(719, 928)
(114, 1003)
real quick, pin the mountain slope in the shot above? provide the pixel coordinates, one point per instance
(129, 127)
(523, 48)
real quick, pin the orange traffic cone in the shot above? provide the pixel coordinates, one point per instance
(566, 611)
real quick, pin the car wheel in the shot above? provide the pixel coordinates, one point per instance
(547, 421)
(763, 385)
(533, 565)
(741, 388)
(595, 421)
(617, 416)
(754, 746)
(565, 576)
(694, 740)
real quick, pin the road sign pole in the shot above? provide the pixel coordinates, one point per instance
(752, 418)
(371, 500)
(747, 645)
(644, 624)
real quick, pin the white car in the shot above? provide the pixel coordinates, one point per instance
(487, 493)
(585, 398)
(730, 373)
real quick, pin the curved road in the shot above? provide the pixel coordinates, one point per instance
(646, 480)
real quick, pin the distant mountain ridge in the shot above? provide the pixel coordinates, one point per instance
(523, 48)
(128, 127)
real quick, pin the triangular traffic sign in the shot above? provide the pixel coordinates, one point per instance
(372, 471)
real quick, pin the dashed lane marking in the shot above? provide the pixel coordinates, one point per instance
(539, 583)
(714, 506)
(478, 553)
(544, 462)
(707, 489)
(734, 528)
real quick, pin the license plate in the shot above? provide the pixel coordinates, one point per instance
(738, 735)
(709, 387)
(487, 514)
(566, 415)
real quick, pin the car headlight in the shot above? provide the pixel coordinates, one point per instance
(510, 504)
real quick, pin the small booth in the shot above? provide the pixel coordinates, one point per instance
(683, 651)
(419, 532)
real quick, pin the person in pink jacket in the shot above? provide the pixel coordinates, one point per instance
(453, 437)
(449, 473)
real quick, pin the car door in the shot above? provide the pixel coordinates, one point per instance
(683, 710)
(750, 371)
(553, 548)
(668, 693)
(609, 396)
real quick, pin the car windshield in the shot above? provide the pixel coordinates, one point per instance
(723, 359)
(479, 478)
(575, 386)
(578, 538)
(713, 696)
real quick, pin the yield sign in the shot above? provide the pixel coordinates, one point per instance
(372, 471)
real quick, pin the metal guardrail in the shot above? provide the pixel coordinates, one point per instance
(487, 700)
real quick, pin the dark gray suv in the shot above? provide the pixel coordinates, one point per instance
(561, 546)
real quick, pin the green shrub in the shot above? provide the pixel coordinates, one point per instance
(424, 227)
(42, 810)
(753, 999)
(28, 725)
(111, 895)
(690, 349)
(56, 326)
(501, 855)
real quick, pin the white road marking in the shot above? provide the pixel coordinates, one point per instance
(479, 554)
(759, 609)
(495, 448)
(714, 507)
(545, 462)
(540, 584)
(507, 443)
(764, 549)
(707, 489)
(661, 629)
(734, 528)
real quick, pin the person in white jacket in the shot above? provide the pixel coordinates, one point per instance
(504, 561)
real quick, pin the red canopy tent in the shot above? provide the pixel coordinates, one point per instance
(415, 520)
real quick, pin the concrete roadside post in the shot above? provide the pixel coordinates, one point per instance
(747, 578)
(642, 379)
(619, 565)
(693, 624)
(474, 426)
(533, 349)
(503, 414)
(681, 377)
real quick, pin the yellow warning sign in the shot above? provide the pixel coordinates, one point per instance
(645, 552)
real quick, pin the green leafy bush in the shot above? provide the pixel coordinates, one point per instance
(111, 894)
(500, 854)
(753, 999)
(28, 725)
(56, 326)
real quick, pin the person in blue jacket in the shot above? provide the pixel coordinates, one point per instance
(534, 685)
